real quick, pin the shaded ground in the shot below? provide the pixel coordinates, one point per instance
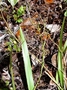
(38, 14)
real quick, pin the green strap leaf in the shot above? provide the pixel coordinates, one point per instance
(27, 63)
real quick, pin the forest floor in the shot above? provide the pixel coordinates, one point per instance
(41, 23)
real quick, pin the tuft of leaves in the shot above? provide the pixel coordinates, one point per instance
(17, 14)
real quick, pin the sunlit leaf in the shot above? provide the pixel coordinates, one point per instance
(21, 11)
(13, 2)
(19, 20)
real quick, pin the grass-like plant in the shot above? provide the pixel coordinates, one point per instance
(11, 71)
(11, 68)
(59, 73)
(27, 63)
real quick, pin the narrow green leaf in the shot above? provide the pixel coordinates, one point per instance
(65, 46)
(65, 14)
(61, 33)
(27, 63)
